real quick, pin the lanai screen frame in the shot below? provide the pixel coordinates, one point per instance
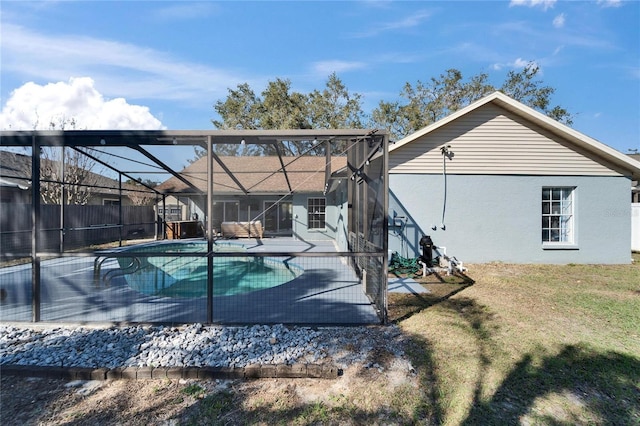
(367, 144)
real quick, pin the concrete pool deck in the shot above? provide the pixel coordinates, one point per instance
(328, 292)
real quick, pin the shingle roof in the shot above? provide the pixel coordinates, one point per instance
(17, 168)
(256, 174)
(14, 165)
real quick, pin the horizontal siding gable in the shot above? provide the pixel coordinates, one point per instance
(491, 140)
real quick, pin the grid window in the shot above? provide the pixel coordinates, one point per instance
(316, 212)
(557, 215)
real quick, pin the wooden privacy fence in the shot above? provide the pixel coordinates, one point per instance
(83, 226)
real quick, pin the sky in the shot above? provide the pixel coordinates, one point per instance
(164, 64)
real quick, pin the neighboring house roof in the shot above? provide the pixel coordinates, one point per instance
(14, 166)
(605, 155)
(256, 174)
(8, 183)
(15, 170)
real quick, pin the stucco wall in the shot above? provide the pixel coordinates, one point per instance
(498, 218)
(300, 223)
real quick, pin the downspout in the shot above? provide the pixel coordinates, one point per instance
(446, 153)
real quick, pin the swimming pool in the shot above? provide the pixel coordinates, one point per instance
(186, 277)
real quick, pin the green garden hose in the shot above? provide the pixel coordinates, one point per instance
(399, 265)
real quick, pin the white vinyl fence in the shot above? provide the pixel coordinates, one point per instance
(635, 226)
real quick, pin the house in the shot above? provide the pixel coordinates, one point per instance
(100, 213)
(499, 181)
(14, 181)
(299, 202)
(15, 184)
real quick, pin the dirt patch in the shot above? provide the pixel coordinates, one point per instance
(53, 402)
(360, 392)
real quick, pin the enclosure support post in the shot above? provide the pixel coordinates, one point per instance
(385, 227)
(35, 228)
(327, 165)
(157, 221)
(164, 216)
(62, 199)
(120, 210)
(209, 229)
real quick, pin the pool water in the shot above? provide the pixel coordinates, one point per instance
(186, 277)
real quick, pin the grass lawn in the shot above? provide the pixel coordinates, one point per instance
(528, 344)
(507, 344)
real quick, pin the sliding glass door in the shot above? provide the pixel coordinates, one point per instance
(225, 211)
(278, 217)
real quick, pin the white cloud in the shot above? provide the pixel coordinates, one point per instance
(408, 22)
(610, 3)
(325, 68)
(519, 63)
(121, 69)
(545, 4)
(185, 11)
(411, 21)
(35, 106)
(558, 21)
(524, 29)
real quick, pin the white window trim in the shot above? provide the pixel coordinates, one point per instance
(324, 228)
(571, 244)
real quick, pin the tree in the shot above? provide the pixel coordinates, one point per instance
(60, 165)
(392, 117)
(76, 174)
(426, 103)
(281, 108)
(523, 87)
(429, 102)
(335, 107)
(140, 196)
(241, 109)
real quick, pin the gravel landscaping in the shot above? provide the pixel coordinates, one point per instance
(194, 345)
